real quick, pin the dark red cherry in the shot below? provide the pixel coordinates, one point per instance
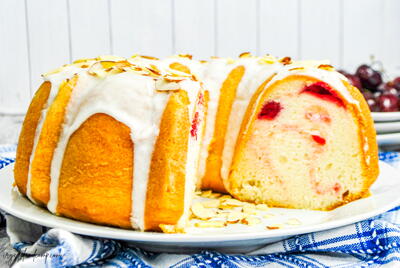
(371, 100)
(270, 110)
(388, 87)
(388, 102)
(354, 80)
(368, 95)
(323, 91)
(369, 77)
(396, 83)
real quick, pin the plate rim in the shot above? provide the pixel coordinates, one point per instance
(99, 231)
(385, 116)
(388, 138)
(388, 127)
(388, 123)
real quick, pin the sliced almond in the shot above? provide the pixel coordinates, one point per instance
(210, 224)
(104, 68)
(293, 221)
(230, 203)
(268, 216)
(326, 67)
(115, 64)
(285, 60)
(153, 68)
(223, 213)
(201, 213)
(206, 193)
(267, 59)
(249, 209)
(274, 226)
(170, 78)
(234, 216)
(224, 197)
(214, 195)
(171, 229)
(214, 203)
(110, 58)
(245, 55)
(83, 60)
(251, 220)
(296, 68)
(194, 78)
(262, 207)
(186, 56)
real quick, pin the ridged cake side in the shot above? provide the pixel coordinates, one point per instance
(93, 134)
(27, 136)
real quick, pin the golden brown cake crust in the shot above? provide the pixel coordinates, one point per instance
(212, 178)
(166, 185)
(48, 139)
(367, 130)
(27, 136)
(96, 175)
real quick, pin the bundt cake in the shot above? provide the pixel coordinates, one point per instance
(125, 142)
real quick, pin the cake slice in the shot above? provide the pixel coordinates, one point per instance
(307, 141)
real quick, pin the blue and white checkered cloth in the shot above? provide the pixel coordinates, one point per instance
(370, 243)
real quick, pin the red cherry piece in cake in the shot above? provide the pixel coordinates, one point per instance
(337, 187)
(323, 91)
(318, 139)
(200, 100)
(195, 123)
(270, 110)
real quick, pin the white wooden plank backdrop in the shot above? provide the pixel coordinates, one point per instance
(38, 35)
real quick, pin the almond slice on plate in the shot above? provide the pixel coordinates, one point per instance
(214, 203)
(262, 207)
(201, 213)
(234, 217)
(249, 209)
(210, 224)
(251, 220)
(293, 221)
(274, 226)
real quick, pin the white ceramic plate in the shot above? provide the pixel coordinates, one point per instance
(388, 139)
(233, 238)
(385, 117)
(387, 127)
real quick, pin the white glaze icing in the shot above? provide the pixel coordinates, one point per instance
(311, 69)
(192, 162)
(213, 77)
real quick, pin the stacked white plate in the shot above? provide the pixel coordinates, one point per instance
(387, 127)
